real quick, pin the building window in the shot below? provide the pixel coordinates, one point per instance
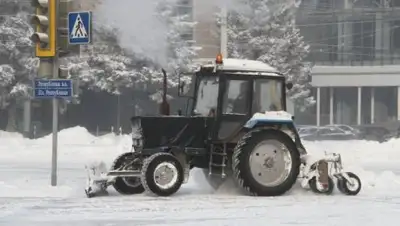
(394, 3)
(185, 8)
(367, 3)
(363, 40)
(395, 34)
(324, 5)
(187, 36)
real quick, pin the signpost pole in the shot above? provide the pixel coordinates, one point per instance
(55, 119)
(54, 82)
(55, 130)
(79, 32)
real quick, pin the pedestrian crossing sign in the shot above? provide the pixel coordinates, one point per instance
(79, 28)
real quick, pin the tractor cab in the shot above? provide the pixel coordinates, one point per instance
(232, 90)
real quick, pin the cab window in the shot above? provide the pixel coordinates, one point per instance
(236, 97)
(207, 93)
(268, 95)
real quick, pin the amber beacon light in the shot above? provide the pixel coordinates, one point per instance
(218, 60)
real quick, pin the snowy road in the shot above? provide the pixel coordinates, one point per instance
(27, 199)
(191, 208)
(203, 210)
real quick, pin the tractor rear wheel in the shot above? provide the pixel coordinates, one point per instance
(265, 163)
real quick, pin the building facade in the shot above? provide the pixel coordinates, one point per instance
(205, 33)
(355, 50)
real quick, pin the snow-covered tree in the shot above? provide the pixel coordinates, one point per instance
(109, 67)
(181, 51)
(12, 7)
(17, 61)
(265, 30)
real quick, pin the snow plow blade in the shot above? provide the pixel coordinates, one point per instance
(98, 179)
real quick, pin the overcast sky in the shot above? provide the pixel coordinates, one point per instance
(140, 29)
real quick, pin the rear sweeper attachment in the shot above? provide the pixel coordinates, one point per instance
(237, 127)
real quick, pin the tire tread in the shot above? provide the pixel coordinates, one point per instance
(244, 146)
(144, 175)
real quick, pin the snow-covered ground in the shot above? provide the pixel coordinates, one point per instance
(26, 197)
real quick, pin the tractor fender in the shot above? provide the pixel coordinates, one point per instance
(278, 120)
(274, 130)
(270, 118)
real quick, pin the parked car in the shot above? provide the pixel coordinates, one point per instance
(346, 128)
(307, 130)
(377, 133)
(328, 133)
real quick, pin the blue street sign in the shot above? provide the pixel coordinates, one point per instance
(79, 28)
(61, 88)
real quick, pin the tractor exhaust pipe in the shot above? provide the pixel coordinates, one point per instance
(164, 106)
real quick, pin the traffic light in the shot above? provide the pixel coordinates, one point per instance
(45, 27)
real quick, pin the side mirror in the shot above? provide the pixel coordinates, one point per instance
(184, 87)
(289, 85)
(181, 88)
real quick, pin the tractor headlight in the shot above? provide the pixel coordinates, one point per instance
(137, 142)
(137, 137)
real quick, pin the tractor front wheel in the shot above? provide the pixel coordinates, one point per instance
(265, 163)
(127, 185)
(162, 174)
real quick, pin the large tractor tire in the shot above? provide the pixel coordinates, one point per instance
(127, 185)
(265, 162)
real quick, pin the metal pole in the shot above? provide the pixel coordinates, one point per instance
(27, 118)
(55, 119)
(359, 104)
(224, 33)
(118, 113)
(398, 99)
(54, 145)
(372, 105)
(55, 131)
(331, 92)
(318, 106)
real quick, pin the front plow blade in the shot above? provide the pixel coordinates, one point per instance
(97, 180)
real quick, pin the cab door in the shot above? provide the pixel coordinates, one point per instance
(234, 106)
